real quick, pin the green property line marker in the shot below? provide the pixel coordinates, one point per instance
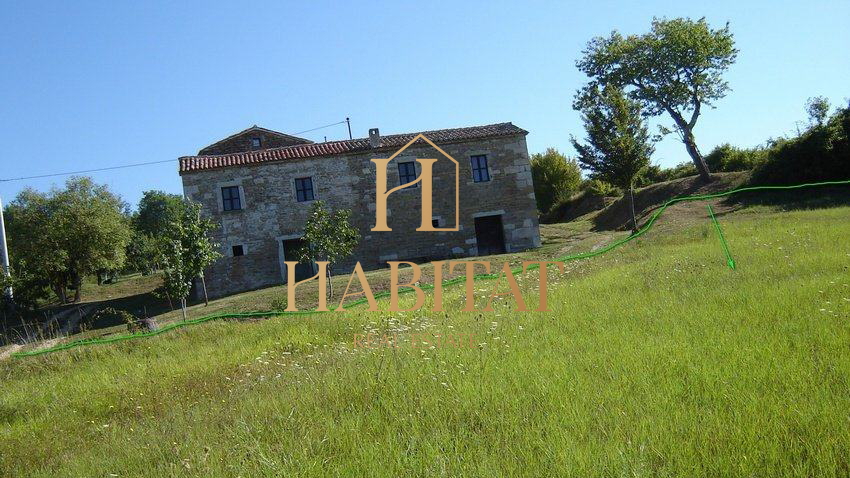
(585, 255)
(729, 261)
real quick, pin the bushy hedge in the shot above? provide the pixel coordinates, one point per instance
(597, 187)
(727, 158)
(134, 324)
(556, 177)
(820, 154)
(656, 174)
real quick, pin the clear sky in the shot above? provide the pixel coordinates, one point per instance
(87, 85)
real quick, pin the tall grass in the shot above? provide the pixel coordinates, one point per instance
(657, 359)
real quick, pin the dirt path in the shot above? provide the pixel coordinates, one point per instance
(8, 351)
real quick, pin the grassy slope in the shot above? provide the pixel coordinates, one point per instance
(656, 360)
(132, 293)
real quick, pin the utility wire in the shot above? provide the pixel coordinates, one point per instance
(87, 170)
(109, 168)
(321, 127)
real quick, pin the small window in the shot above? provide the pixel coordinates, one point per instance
(435, 223)
(480, 173)
(304, 189)
(238, 250)
(256, 143)
(230, 200)
(407, 173)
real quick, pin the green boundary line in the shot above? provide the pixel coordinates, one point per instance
(585, 255)
(729, 261)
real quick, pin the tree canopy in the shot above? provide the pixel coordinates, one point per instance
(157, 210)
(618, 144)
(817, 107)
(156, 214)
(676, 68)
(64, 235)
(187, 252)
(555, 176)
(328, 236)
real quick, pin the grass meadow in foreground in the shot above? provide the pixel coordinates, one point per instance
(656, 359)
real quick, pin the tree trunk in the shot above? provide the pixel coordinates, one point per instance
(183, 307)
(78, 285)
(60, 292)
(330, 283)
(693, 151)
(632, 208)
(204, 287)
(687, 131)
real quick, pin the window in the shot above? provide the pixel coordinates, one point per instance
(256, 143)
(230, 200)
(304, 189)
(238, 250)
(480, 173)
(407, 173)
(435, 223)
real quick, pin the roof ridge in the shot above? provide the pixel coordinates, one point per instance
(389, 136)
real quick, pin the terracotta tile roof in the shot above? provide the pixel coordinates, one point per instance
(299, 151)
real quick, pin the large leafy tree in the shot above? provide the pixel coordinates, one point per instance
(144, 253)
(618, 144)
(34, 249)
(328, 236)
(67, 234)
(157, 210)
(151, 223)
(555, 177)
(187, 251)
(676, 68)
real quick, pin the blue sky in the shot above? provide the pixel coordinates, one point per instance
(87, 85)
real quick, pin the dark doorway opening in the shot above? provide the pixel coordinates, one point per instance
(489, 235)
(304, 270)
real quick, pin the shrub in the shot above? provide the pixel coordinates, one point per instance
(821, 153)
(555, 176)
(726, 158)
(134, 324)
(651, 175)
(656, 174)
(681, 170)
(597, 187)
(579, 204)
(279, 303)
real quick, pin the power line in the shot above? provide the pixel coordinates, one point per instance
(87, 170)
(321, 127)
(148, 163)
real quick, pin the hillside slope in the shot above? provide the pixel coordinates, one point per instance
(656, 359)
(613, 213)
(618, 216)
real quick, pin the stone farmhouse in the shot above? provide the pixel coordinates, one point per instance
(258, 185)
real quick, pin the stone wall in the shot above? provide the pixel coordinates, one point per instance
(271, 213)
(242, 142)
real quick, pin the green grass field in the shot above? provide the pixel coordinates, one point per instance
(657, 360)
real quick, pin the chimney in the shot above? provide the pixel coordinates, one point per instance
(374, 138)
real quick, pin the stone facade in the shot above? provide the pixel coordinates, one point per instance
(270, 213)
